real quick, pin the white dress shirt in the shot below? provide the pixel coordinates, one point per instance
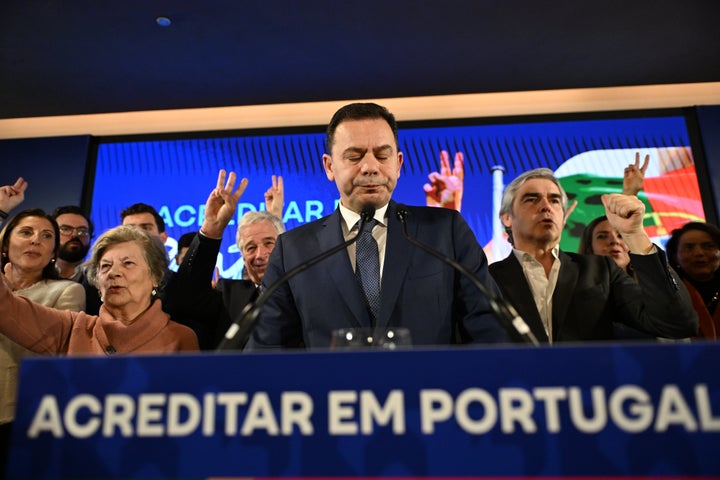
(379, 233)
(542, 286)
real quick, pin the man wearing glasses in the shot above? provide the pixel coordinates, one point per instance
(75, 235)
(76, 231)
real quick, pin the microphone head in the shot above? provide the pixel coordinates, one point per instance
(401, 212)
(367, 213)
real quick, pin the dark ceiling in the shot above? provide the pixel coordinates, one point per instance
(96, 56)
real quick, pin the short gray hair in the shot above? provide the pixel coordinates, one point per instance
(250, 218)
(152, 248)
(508, 198)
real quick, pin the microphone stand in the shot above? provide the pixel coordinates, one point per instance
(239, 332)
(505, 313)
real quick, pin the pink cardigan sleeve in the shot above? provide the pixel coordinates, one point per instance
(33, 326)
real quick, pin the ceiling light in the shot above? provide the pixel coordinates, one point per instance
(163, 21)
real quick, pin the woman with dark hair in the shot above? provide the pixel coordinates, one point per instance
(24, 224)
(599, 238)
(29, 244)
(694, 251)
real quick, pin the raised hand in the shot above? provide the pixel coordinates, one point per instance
(275, 197)
(221, 204)
(7, 277)
(12, 195)
(634, 175)
(569, 210)
(446, 187)
(625, 214)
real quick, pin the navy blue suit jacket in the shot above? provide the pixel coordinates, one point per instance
(418, 291)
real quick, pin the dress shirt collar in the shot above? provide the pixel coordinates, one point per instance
(351, 218)
(525, 256)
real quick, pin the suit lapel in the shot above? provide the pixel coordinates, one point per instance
(567, 279)
(339, 268)
(398, 252)
(236, 295)
(509, 275)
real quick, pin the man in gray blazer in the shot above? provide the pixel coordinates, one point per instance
(567, 297)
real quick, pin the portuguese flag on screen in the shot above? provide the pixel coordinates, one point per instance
(670, 189)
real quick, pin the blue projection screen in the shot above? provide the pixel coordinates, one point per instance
(589, 156)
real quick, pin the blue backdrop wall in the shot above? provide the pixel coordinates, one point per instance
(54, 168)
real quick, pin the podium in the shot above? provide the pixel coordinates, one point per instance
(604, 411)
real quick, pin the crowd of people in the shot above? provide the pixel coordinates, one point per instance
(123, 299)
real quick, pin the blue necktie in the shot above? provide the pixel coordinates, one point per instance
(367, 268)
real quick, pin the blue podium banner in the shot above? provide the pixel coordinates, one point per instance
(588, 411)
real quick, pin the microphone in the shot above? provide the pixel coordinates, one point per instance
(239, 332)
(507, 316)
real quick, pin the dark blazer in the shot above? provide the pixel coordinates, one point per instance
(592, 292)
(191, 300)
(92, 294)
(236, 294)
(418, 291)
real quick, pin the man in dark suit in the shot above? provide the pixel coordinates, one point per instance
(256, 235)
(417, 291)
(190, 297)
(567, 297)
